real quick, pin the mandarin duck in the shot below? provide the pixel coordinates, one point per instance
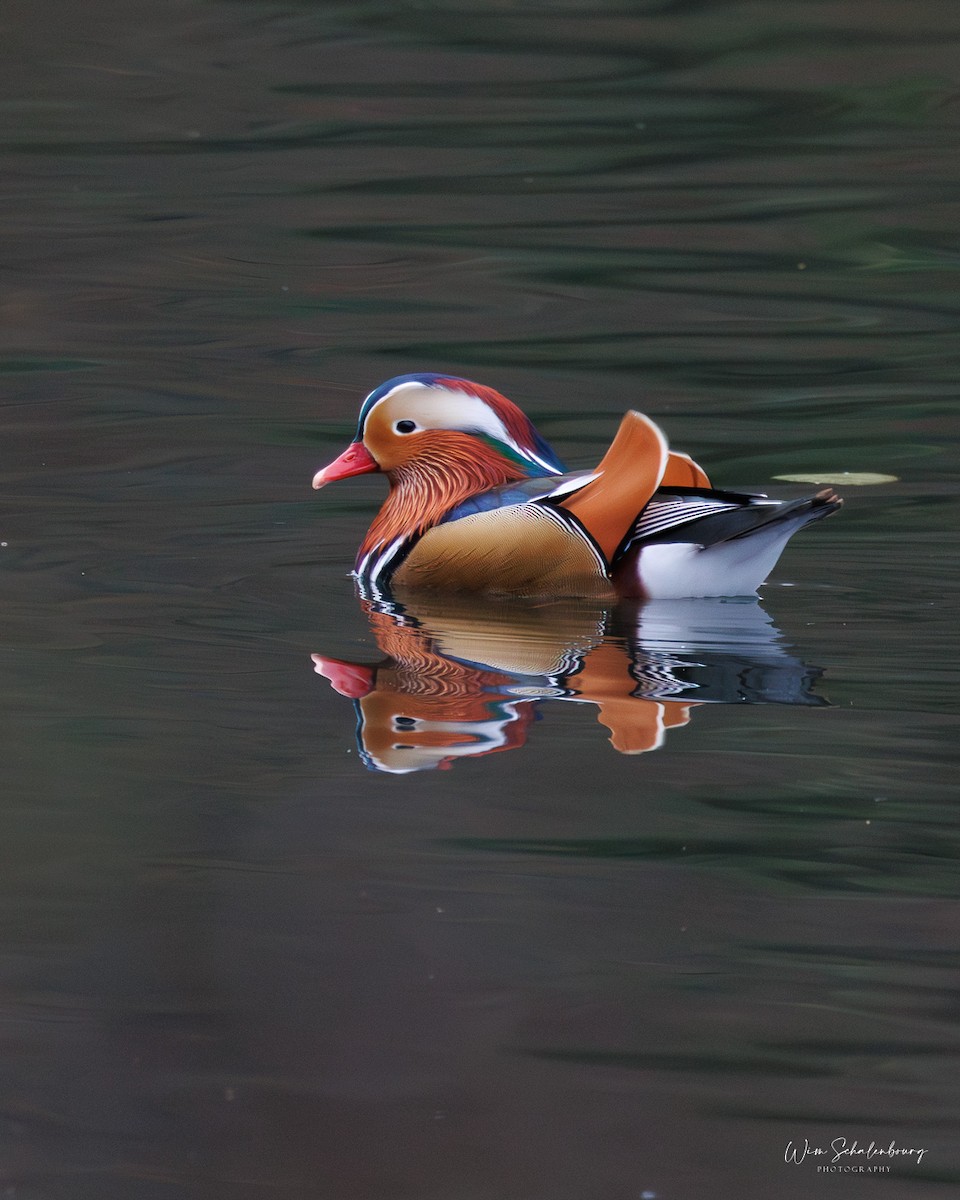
(479, 502)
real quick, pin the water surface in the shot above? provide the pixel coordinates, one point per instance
(236, 961)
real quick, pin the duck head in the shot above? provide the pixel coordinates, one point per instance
(424, 421)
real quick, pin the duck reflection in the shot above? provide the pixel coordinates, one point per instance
(462, 678)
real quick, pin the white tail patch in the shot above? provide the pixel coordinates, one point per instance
(682, 570)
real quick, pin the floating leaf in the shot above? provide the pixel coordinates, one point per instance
(849, 478)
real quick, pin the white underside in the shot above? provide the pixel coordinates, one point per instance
(680, 570)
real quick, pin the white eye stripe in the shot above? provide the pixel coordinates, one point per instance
(442, 408)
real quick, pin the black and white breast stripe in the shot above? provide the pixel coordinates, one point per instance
(379, 563)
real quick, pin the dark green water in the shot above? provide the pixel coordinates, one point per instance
(233, 961)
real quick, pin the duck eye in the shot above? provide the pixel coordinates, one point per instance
(405, 426)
